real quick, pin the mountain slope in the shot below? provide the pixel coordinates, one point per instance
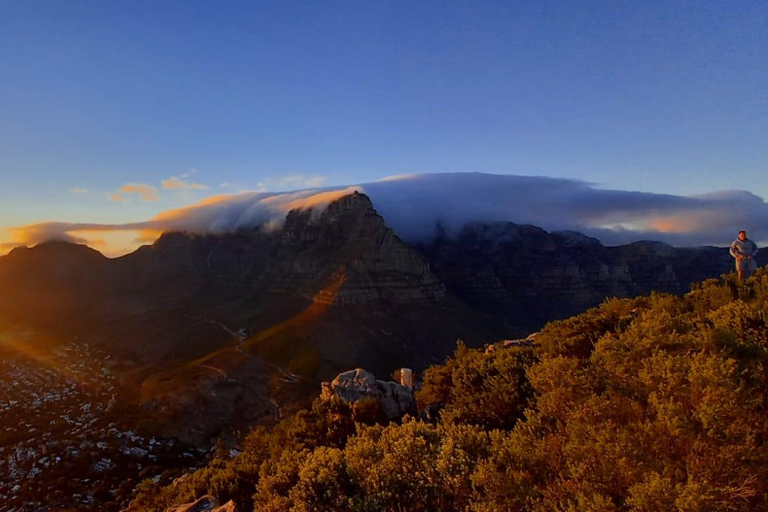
(526, 276)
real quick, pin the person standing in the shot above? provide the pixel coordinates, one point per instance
(744, 250)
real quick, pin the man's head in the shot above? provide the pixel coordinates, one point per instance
(742, 235)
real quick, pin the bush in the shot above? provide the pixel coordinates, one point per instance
(652, 404)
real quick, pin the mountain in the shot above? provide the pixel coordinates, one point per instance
(222, 330)
(525, 276)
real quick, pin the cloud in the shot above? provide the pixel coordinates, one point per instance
(78, 190)
(144, 191)
(217, 214)
(315, 181)
(413, 205)
(249, 210)
(291, 181)
(176, 183)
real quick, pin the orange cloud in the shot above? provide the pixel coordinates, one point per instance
(216, 214)
(674, 224)
(144, 191)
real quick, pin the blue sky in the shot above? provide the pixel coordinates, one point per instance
(668, 97)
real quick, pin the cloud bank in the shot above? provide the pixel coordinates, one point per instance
(413, 205)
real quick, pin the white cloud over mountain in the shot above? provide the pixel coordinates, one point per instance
(413, 205)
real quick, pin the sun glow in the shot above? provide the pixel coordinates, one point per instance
(221, 362)
(39, 349)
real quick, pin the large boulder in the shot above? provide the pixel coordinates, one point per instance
(355, 385)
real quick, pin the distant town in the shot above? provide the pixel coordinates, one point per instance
(63, 437)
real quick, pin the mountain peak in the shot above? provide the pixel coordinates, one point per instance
(54, 249)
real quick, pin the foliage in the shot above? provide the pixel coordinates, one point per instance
(657, 403)
(482, 388)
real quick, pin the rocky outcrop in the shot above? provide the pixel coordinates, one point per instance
(205, 504)
(350, 247)
(527, 342)
(356, 385)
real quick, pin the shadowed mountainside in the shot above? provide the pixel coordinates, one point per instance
(525, 276)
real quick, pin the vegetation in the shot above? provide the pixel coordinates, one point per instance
(657, 403)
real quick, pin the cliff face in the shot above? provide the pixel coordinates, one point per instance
(527, 276)
(349, 249)
(345, 255)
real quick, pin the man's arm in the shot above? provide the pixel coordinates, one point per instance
(735, 252)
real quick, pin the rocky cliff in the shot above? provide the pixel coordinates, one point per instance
(526, 276)
(346, 249)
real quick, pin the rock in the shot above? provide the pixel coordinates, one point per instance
(527, 342)
(431, 413)
(354, 385)
(206, 503)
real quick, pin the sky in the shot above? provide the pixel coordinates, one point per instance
(115, 112)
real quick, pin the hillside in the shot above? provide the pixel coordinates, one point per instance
(657, 403)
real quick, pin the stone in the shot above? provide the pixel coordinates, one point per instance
(205, 503)
(431, 413)
(527, 342)
(354, 385)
